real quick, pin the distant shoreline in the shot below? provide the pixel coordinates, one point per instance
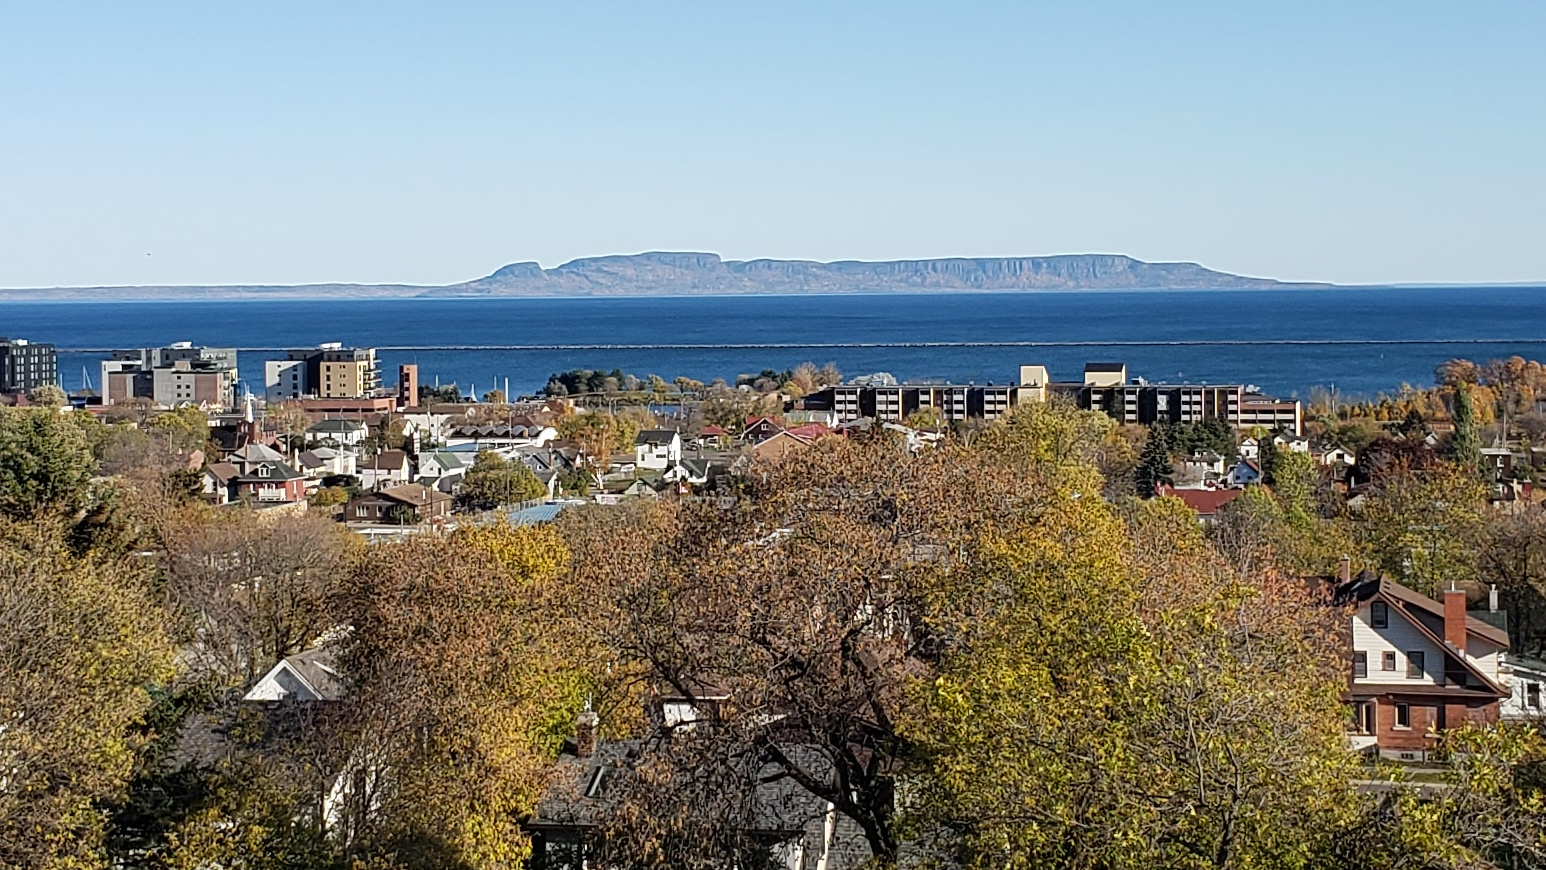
(118, 295)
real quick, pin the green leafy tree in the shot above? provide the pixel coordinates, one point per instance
(494, 481)
(45, 462)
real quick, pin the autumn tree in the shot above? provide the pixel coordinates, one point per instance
(1118, 697)
(461, 690)
(80, 642)
(247, 591)
(1425, 529)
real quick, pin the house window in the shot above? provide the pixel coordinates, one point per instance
(1388, 663)
(1379, 614)
(1360, 665)
(1533, 696)
(361, 511)
(1367, 720)
(1403, 716)
(1414, 665)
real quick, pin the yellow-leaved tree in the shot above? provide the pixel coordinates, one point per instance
(80, 643)
(463, 685)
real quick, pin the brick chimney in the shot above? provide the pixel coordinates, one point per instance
(1345, 570)
(1454, 617)
(585, 732)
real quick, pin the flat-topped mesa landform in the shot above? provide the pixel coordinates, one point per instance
(700, 274)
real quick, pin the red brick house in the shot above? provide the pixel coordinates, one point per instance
(1418, 666)
(269, 482)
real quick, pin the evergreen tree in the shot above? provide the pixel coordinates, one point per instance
(1466, 445)
(1154, 466)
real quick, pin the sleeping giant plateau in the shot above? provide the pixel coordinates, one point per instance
(700, 274)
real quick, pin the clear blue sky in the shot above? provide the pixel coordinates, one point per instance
(204, 142)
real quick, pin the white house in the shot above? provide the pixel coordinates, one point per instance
(343, 433)
(387, 468)
(1292, 443)
(1526, 677)
(657, 449)
(306, 676)
(1334, 456)
(320, 462)
(1250, 449)
(443, 469)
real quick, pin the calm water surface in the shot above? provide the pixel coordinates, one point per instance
(1364, 341)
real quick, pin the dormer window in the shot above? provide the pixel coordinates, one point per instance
(263, 470)
(1379, 614)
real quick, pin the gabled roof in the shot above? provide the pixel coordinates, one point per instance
(1368, 585)
(306, 676)
(337, 426)
(223, 472)
(386, 460)
(414, 495)
(446, 459)
(255, 452)
(712, 431)
(1206, 502)
(809, 431)
(276, 471)
(656, 437)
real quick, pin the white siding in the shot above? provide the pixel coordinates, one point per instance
(1484, 655)
(1400, 637)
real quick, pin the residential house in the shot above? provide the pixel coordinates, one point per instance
(1243, 473)
(1499, 462)
(387, 468)
(443, 469)
(312, 675)
(1292, 443)
(1202, 465)
(1526, 679)
(322, 462)
(1206, 502)
(1419, 666)
(251, 455)
(392, 504)
(1250, 448)
(657, 449)
(760, 429)
(337, 432)
(779, 446)
(795, 829)
(693, 472)
(217, 480)
(712, 437)
(270, 482)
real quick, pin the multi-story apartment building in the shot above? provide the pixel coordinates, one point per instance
(25, 366)
(1106, 387)
(329, 371)
(178, 374)
(896, 402)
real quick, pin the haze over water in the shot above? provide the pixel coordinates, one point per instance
(1364, 341)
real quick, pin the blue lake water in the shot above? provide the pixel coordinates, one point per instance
(1364, 341)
